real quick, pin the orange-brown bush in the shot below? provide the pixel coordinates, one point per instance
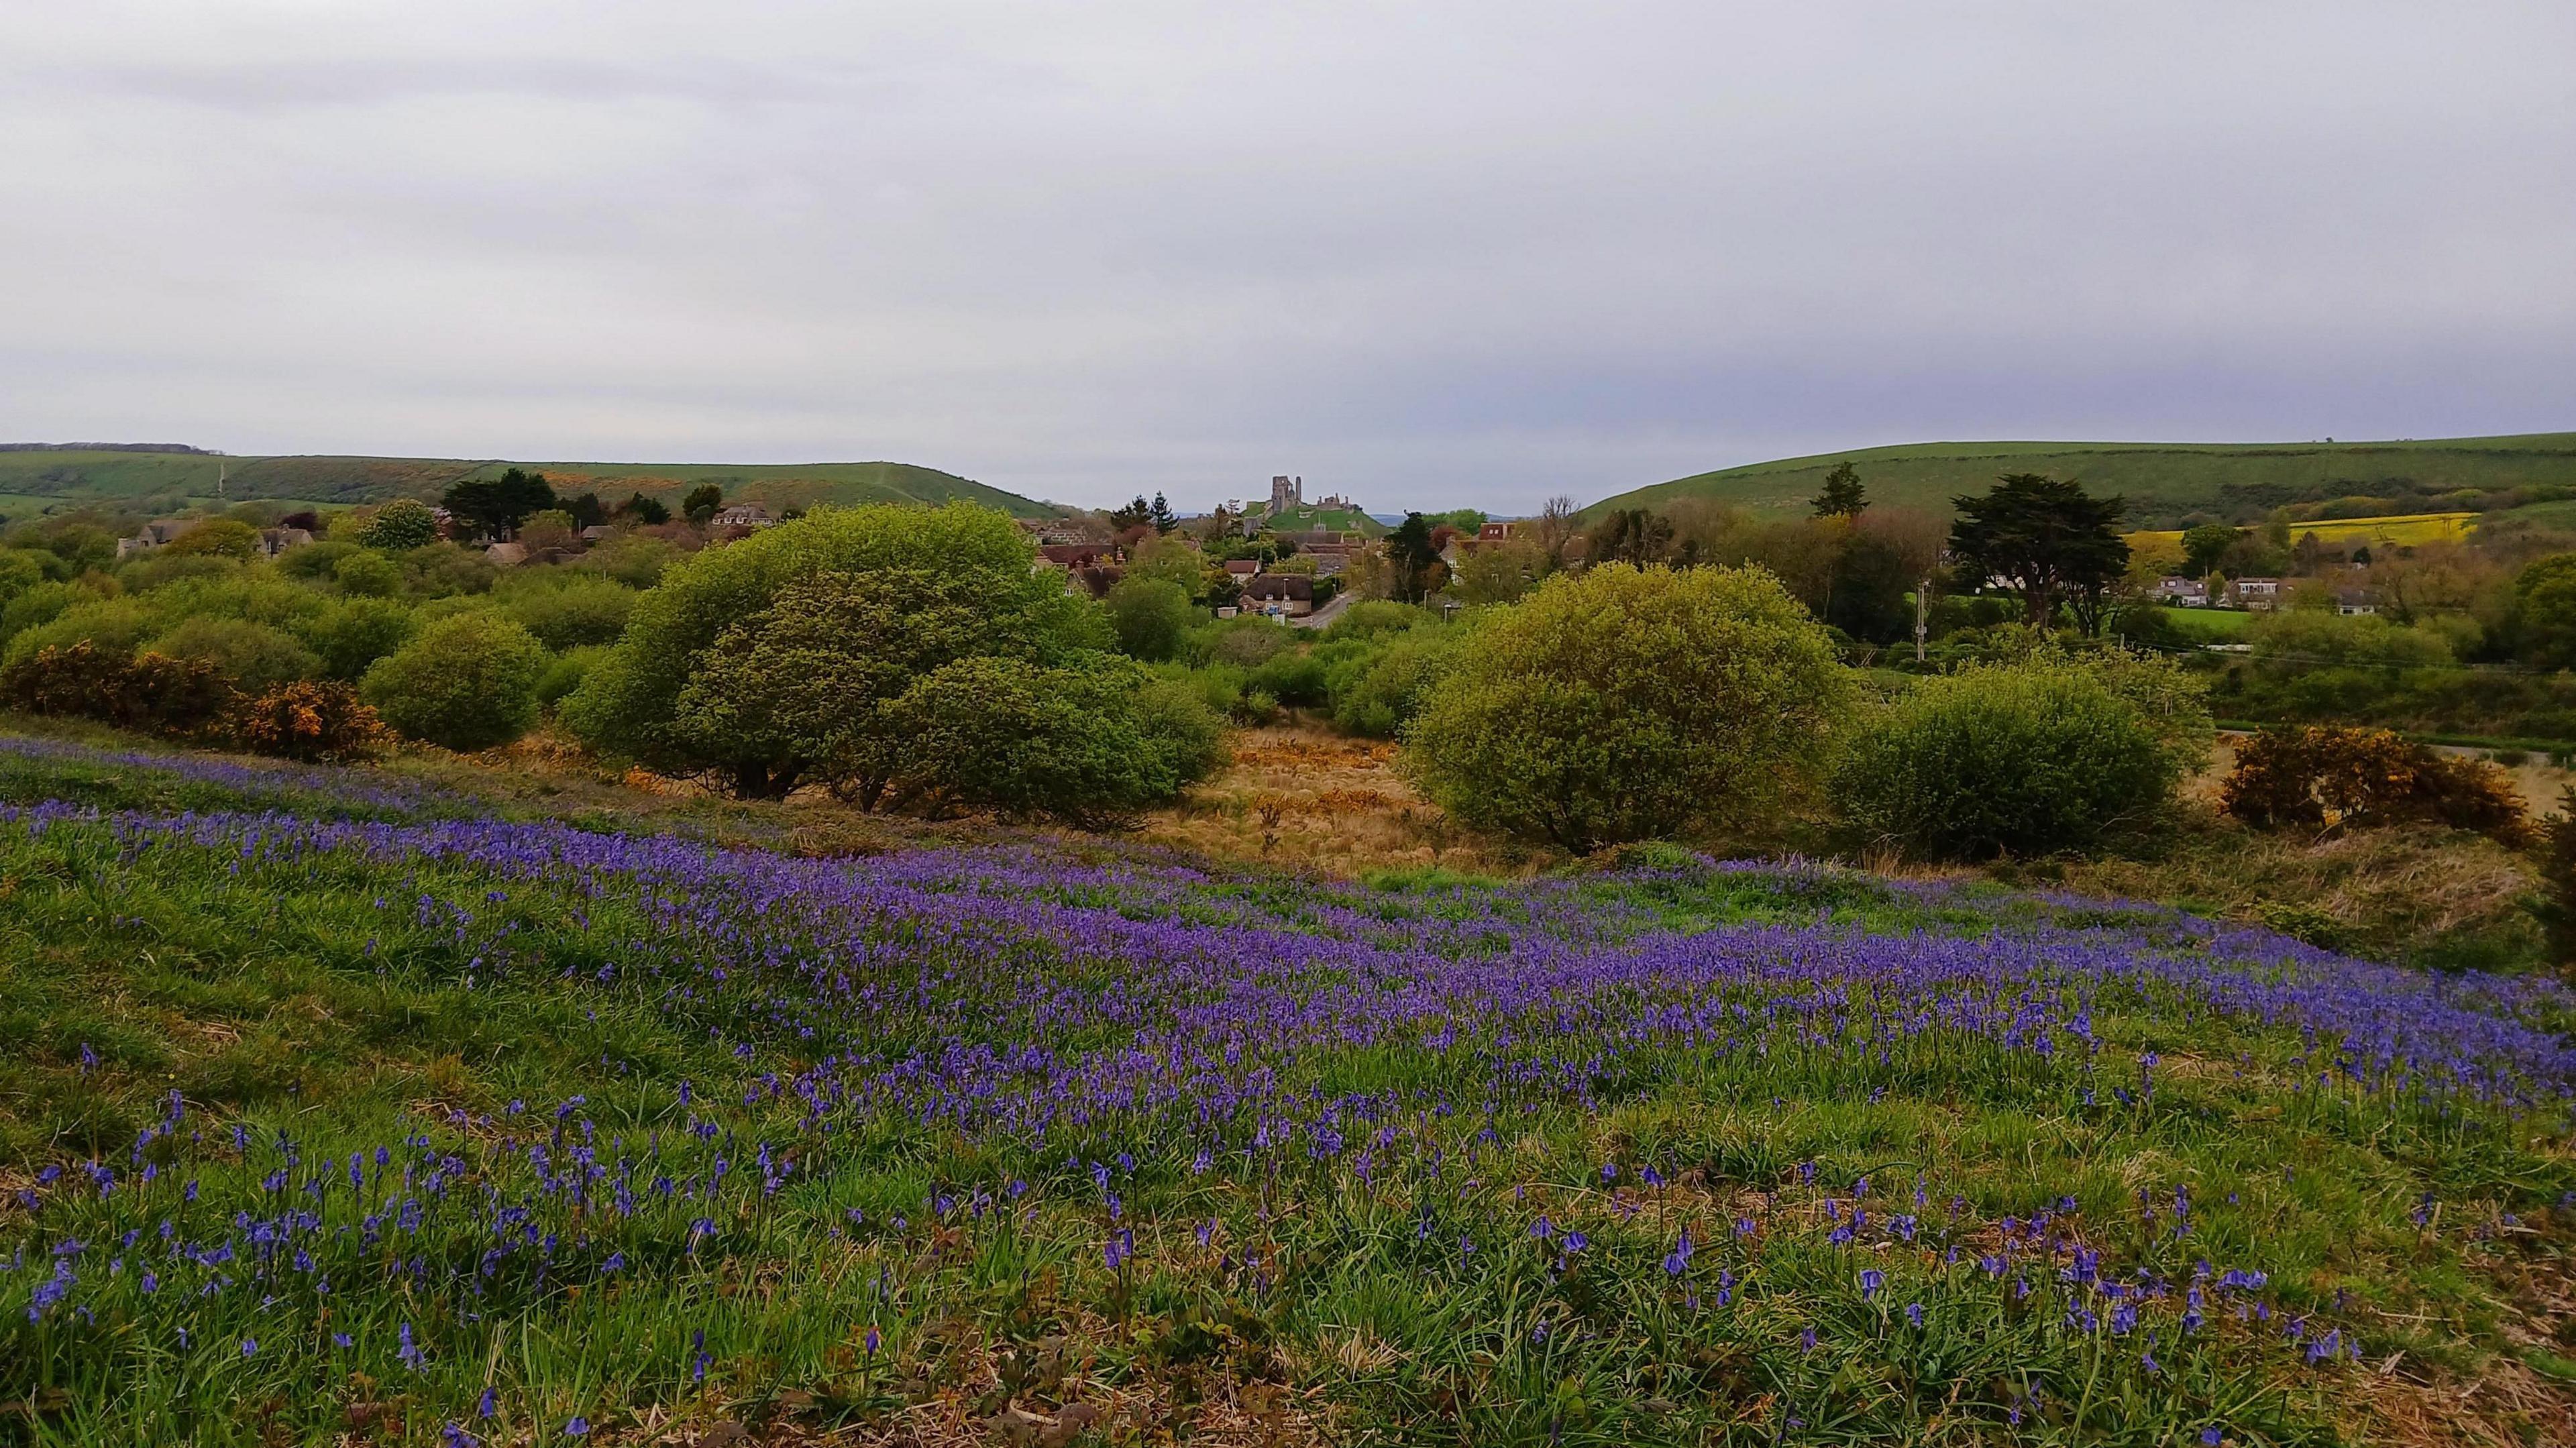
(2359, 778)
(308, 721)
(143, 691)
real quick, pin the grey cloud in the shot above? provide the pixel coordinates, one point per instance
(1434, 253)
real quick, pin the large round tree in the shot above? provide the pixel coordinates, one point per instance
(765, 662)
(1626, 704)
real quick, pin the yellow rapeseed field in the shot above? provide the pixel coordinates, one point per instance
(2401, 530)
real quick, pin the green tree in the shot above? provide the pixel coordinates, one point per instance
(19, 571)
(1162, 516)
(1150, 616)
(401, 525)
(352, 634)
(2049, 539)
(1091, 744)
(1625, 704)
(216, 537)
(914, 588)
(569, 610)
(640, 509)
(1630, 535)
(468, 681)
(1411, 558)
(252, 657)
(367, 574)
(1843, 496)
(2023, 759)
(2203, 546)
(702, 503)
(2543, 619)
(494, 507)
(1497, 572)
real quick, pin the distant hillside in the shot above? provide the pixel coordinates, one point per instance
(2168, 484)
(32, 480)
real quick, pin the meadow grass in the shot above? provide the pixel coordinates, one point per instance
(409, 1123)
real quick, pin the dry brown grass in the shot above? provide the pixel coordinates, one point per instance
(1302, 798)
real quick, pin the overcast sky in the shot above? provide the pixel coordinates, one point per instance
(1430, 253)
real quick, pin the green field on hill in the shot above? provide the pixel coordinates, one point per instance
(38, 480)
(2166, 483)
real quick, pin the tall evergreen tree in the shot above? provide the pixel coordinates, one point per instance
(2049, 539)
(1843, 496)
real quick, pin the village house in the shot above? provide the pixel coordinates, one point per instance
(155, 533)
(2353, 602)
(2189, 592)
(2256, 595)
(506, 555)
(597, 533)
(1282, 595)
(273, 541)
(1240, 569)
(748, 516)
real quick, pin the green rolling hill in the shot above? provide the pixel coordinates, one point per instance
(2168, 484)
(54, 479)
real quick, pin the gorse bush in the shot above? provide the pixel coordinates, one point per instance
(2025, 759)
(2314, 776)
(1626, 704)
(307, 721)
(465, 682)
(135, 691)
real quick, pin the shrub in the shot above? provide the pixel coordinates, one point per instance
(112, 625)
(317, 562)
(764, 659)
(1294, 677)
(565, 672)
(352, 634)
(221, 537)
(399, 526)
(1378, 693)
(2556, 906)
(1623, 704)
(1090, 745)
(1150, 617)
(308, 721)
(162, 568)
(368, 574)
(253, 657)
(447, 570)
(1371, 618)
(634, 559)
(2325, 775)
(2026, 759)
(133, 691)
(569, 611)
(466, 682)
(20, 570)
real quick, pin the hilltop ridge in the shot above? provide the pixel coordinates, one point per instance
(2168, 484)
(34, 479)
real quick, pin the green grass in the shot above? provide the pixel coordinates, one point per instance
(2210, 625)
(70, 478)
(2163, 481)
(341, 1001)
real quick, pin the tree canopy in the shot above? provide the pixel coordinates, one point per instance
(1623, 704)
(2049, 539)
(1843, 496)
(496, 506)
(757, 661)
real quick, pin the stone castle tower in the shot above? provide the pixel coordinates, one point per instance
(1287, 492)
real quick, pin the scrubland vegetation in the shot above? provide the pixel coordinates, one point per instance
(870, 986)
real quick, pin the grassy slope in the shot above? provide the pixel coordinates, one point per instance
(2162, 480)
(65, 476)
(315, 997)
